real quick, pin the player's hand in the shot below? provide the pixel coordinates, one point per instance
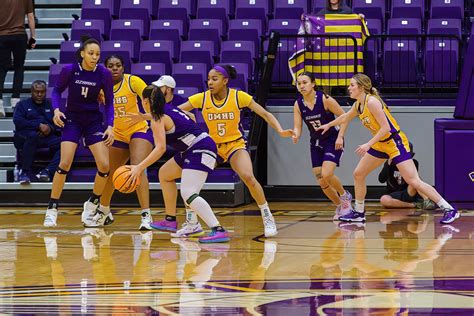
(286, 133)
(323, 128)
(295, 138)
(109, 136)
(58, 118)
(44, 129)
(339, 143)
(134, 118)
(135, 172)
(101, 97)
(362, 149)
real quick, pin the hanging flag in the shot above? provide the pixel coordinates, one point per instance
(332, 60)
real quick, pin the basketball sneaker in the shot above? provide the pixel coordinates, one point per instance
(215, 236)
(146, 221)
(353, 216)
(269, 225)
(89, 211)
(169, 226)
(50, 217)
(97, 220)
(449, 216)
(188, 230)
(109, 220)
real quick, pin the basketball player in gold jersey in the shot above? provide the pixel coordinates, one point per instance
(133, 141)
(221, 108)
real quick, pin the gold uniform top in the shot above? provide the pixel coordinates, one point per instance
(222, 117)
(126, 95)
(369, 121)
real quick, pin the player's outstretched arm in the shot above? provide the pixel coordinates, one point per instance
(297, 123)
(330, 104)
(187, 106)
(270, 119)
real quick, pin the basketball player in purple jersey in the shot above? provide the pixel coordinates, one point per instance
(196, 158)
(316, 108)
(83, 118)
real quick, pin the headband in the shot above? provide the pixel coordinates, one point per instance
(222, 71)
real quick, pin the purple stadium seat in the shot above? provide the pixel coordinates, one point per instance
(54, 71)
(149, 72)
(190, 75)
(128, 30)
(67, 52)
(167, 30)
(197, 52)
(441, 61)
(186, 92)
(137, 10)
(122, 48)
(94, 28)
(281, 73)
(245, 30)
(241, 82)
(252, 9)
(99, 10)
(157, 52)
(214, 9)
(407, 9)
(284, 26)
(372, 9)
(238, 52)
(399, 62)
(317, 5)
(290, 9)
(445, 26)
(206, 30)
(176, 10)
(404, 26)
(373, 47)
(447, 9)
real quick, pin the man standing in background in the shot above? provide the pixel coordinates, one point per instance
(14, 41)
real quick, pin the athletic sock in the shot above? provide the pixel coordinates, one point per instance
(359, 206)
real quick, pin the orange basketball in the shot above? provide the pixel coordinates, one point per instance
(121, 180)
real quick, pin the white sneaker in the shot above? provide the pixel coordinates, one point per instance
(2, 109)
(188, 230)
(269, 226)
(13, 102)
(109, 220)
(50, 217)
(146, 221)
(98, 220)
(88, 212)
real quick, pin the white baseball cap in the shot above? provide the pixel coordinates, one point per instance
(165, 81)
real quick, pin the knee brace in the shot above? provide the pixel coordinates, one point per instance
(61, 171)
(191, 198)
(103, 174)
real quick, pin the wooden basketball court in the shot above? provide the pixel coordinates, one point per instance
(400, 263)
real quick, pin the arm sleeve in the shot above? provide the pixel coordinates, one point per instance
(109, 97)
(244, 99)
(60, 86)
(383, 175)
(21, 121)
(197, 100)
(137, 85)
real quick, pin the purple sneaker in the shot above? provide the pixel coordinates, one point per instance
(215, 236)
(449, 216)
(353, 216)
(168, 226)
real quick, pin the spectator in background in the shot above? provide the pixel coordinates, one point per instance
(13, 40)
(167, 84)
(335, 7)
(34, 128)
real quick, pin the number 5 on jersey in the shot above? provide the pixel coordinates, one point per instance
(221, 129)
(85, 91)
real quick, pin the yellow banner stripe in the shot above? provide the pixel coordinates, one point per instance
(338, 17)
(343, 28)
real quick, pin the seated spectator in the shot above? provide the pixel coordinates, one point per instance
(399, 193)
(167, 84)
(34, 128)
(335, 7)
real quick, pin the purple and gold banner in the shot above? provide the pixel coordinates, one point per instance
(331, 60)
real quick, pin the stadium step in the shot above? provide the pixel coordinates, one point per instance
(49, 36)
(56, 16)
(30, 76)
(40, 57)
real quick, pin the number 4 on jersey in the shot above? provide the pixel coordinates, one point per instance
(85, 91)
